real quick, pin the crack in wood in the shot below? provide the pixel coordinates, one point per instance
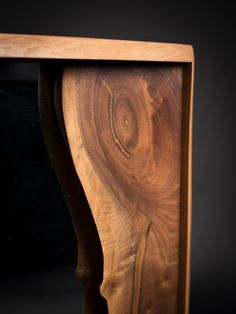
(124, 151)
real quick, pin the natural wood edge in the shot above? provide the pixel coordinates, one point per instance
(22, 46)
(89, 268)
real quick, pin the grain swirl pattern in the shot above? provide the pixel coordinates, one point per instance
(124, 130)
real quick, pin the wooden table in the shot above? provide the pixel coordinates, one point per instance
(117, 119)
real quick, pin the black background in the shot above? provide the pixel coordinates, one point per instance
(38, 252)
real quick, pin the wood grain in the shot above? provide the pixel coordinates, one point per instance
(122, 151)
(23, 46)
(125, 132)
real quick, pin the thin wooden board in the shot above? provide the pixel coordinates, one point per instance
(75, 48)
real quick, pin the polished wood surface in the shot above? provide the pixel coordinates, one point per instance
(125, 132)
(119, 136)
(61, 47)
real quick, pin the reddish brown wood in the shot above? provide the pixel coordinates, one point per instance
(124, 126)
(120, 138)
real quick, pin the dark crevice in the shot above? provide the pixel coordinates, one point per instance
(90, 257)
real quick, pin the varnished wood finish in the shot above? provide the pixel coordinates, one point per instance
(119, 136)
(59, 47)
(124, 127)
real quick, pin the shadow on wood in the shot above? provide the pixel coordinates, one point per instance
(90, 259)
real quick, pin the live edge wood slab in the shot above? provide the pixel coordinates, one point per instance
(117, 119)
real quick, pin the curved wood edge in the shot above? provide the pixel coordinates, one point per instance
(90, 260)
(111, 220)
(22, 46)
(106, 209)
